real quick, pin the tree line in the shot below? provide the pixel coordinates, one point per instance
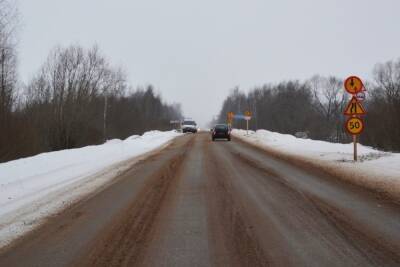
(316, 107)
(77, 98)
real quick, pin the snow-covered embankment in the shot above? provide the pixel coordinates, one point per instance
(36, 187)
(375, 170)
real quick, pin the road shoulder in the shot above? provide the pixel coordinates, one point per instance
(388, 189)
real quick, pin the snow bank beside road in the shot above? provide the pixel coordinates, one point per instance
(34, 187)
(376, 170)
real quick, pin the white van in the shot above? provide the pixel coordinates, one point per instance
(189, 126)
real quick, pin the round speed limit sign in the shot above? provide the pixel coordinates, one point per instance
(354, 125)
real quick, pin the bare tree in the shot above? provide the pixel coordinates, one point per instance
(8, 76)
(383, 106)
(387, 77)
(8, 73)
(68, 86)
(77, 98)
(285, 107)
(330, 100)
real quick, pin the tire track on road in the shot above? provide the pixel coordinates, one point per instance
(232, 237)
(126, 240)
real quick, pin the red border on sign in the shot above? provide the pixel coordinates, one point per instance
(353, 77)
(362, 124)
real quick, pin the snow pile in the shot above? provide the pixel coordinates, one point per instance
(375, 169)
(32, 188)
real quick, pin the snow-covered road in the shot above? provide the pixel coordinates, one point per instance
(35, 187)
(376, 170)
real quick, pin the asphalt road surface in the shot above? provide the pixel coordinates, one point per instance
(204, 203)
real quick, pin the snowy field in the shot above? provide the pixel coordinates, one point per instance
(375, 169)
(36, 187)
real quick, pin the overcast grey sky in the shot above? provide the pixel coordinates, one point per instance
(194, 52)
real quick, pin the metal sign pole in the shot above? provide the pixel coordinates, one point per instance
(247, 127)
(354, 109)
(355, 147)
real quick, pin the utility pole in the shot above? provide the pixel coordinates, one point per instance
(239, 112)
(3, 59)
(255, 113)
(105, 118)
(3, 89)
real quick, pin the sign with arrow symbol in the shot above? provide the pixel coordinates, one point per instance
(353, 85)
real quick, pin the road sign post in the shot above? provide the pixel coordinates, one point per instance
(247, 117)
(354, 124)
(355, 147)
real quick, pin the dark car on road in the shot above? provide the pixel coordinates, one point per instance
(221, 131)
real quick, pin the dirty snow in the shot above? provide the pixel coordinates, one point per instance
(375, 169)
(35, 187)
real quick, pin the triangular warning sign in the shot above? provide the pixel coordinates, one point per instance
(354, 107)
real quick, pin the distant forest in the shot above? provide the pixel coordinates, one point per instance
(77, 98)
(316, 107)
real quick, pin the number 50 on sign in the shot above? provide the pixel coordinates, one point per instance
(354, 125)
